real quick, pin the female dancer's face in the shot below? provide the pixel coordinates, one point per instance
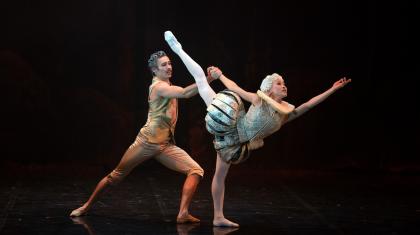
(278, 89)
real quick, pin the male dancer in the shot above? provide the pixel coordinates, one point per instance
(156, 139)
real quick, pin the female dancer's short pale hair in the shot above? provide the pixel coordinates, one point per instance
(267, 82)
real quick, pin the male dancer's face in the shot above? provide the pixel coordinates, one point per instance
(164, 68)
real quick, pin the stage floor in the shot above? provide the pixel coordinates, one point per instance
(147, 203)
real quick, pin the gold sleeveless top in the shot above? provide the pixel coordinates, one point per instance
(161, 119)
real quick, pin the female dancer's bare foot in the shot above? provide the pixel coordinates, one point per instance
(223, 222)
(79, 212)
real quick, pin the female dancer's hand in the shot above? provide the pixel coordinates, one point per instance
(341, 83)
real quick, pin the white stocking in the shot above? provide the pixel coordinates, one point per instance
(204, 89)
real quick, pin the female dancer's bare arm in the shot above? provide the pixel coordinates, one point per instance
(216, 73)
(305, 107)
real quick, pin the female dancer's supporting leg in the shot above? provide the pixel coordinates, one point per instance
(207, 94)
(218, 193)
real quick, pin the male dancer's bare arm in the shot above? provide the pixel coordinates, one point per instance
(166, 90)
(305, 107)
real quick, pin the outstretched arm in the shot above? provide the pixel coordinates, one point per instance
(305, 107)
(165, 90)
(216, 73)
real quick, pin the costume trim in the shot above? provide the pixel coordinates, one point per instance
(282, 108)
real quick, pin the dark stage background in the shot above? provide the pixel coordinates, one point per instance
(74, 80)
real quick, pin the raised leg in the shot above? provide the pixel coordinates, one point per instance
(204, 89)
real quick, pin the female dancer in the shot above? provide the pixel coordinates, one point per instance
(236, 133)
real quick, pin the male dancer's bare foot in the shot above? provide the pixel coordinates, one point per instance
(223, 222)
(79, 212)
(187, 219)
(172, 42)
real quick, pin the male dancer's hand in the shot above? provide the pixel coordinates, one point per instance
(210, 79)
